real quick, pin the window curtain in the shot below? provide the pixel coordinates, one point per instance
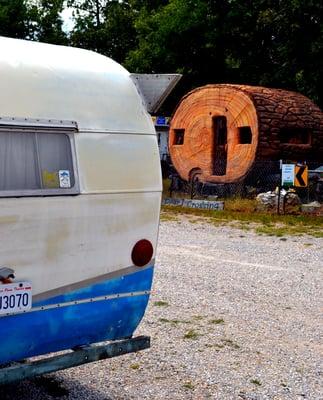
(30, 161)
(18, 161)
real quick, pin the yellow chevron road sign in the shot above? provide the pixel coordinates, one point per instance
(301, 176)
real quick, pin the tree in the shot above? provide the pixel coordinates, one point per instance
(35, 20)
(148, 5)
(276, 43)
(171, 38)
(279, 43)
(47, 15)
(88, 11)
(299, 49)
(184, 36)
(262, 42)
(14, 19)
(104, 26)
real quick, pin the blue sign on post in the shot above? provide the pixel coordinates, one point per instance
(160, 121)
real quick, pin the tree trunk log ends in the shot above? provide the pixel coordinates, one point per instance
(219, 131)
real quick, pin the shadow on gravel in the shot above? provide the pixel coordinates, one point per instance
(48, 388)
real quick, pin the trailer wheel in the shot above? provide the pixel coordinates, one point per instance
(195, 181)
(195, 175)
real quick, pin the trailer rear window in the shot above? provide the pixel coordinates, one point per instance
(36, 163)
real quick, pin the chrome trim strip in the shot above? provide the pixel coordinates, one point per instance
(90, 281)
(152, 132)
(122, 191)
(84, 301)
(38, 123)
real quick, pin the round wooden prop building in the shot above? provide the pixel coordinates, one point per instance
(219, 132)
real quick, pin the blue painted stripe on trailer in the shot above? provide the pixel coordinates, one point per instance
(41, 332)
(135, 282)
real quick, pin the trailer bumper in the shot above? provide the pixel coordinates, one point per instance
(83, 355)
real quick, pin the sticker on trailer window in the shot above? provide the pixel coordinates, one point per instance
(64, 178)
(50, 179)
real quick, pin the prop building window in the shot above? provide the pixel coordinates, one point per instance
(179, 136)
(244, 135)
(295, 136)
(36, 163)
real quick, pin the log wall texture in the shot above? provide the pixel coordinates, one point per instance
(219, 131)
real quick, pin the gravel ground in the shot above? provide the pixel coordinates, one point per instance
(233, 315)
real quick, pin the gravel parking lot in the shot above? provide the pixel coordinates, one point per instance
(233, 315)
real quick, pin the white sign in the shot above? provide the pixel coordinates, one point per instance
(202, 204)
(64, 178)
(288, 174)
(15, 297)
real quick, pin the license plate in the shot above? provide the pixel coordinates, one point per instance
(15, 297)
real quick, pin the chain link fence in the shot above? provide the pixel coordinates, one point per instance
(263, 177)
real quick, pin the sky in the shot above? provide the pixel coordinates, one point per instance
(67, 18)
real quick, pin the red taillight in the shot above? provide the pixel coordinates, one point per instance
(142, 253)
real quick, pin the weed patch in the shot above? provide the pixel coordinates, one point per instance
(188, 385)
(161, 303)
(217, 321)
(173, 321)
(198, 317)
(168, 217)
(230, 343)
(256, 382)
(191, 334)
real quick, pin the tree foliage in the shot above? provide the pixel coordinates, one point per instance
(14, 19)
(37, 20)
(104, 26)
(49, 23)
(262, 42)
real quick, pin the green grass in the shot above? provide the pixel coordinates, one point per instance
(230, 343)
(173, 321)
(168, 217)
(238, 204)
(256, 382)
(217, 321)
(223, 343)
(134, 366)
(188, 385)
(318, 234)
(240, 213)
(161, 303)
(191, 334)
(197, 317)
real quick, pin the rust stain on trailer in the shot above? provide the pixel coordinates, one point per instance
(8, 219)
(56, 239)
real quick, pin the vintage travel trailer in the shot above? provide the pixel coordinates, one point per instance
(80, 194)
(219, 133)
